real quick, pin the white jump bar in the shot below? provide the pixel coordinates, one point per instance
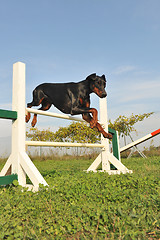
(57, 115)
(63, 144)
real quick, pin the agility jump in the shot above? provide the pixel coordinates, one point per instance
(20, 163)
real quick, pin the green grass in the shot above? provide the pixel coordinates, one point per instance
(80, 205)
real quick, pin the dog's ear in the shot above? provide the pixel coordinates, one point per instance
(104, 78)
(91, 77)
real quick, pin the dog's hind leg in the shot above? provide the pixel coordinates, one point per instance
(38, 97)
(45, 106)
(28, 116)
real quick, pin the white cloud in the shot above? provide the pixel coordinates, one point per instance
(123, 69)
(136, 89)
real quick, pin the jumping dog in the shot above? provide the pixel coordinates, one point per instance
(71, 98)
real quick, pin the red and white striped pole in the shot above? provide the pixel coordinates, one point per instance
(141, 140)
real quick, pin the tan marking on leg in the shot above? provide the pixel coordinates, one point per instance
(34, 121)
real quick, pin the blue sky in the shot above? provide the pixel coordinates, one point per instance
(66, 40)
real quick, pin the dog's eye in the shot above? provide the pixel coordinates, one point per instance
(99, 82)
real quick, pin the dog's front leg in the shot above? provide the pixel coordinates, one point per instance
(88, 119)
(104, 133)
(93, 111)
(94, 119)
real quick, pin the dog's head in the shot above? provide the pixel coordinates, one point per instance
(97, 84)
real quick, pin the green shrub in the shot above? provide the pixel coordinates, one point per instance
(80, 205)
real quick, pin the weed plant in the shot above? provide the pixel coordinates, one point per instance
(80, 205)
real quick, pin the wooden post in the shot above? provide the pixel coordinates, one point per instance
(105, 157)
(19, 161)
(104, 141)
(18, 126)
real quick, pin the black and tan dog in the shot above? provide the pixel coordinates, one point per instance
(71, 98)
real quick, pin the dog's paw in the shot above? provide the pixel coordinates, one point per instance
(27, 118)
(33, 123)
(107, 135)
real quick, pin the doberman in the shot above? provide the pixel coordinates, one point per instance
(71, 98)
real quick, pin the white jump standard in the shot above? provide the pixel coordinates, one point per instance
(20, 162)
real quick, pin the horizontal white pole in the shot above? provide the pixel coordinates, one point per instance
(63, 144)
(57, 115)
(135, 143)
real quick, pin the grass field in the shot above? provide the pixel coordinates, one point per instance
(80, 205)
